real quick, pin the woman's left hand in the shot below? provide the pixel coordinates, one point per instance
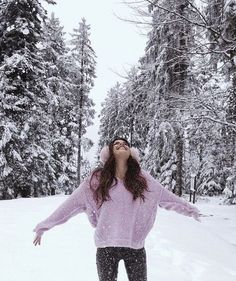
(196, 216)
(37, 239)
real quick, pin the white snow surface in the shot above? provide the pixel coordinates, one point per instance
(178, 247)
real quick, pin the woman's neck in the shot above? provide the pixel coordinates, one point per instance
(121, 168)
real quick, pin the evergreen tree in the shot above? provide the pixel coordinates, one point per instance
(123, 112)
(109, 125)
(141, 110)
(162, 161)
(55, 56)
(84, 57)
(222, 16)
(128, 103)
(24, 146)
(229, 32)
(167, 62)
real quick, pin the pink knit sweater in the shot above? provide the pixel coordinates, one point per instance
(120, 221)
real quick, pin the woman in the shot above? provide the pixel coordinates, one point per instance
(121, 201)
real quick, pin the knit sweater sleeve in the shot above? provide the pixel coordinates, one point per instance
(169, 201)
(74, 204)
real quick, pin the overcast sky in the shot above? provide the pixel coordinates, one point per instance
(118, 44)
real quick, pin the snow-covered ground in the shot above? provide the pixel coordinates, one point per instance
(178, 247)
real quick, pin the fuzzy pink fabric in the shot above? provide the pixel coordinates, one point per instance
(104, 154)
(120, 221)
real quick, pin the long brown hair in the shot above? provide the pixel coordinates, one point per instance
(133, 181)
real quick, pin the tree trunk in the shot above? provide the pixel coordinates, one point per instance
(179, 169)
(79, 158)
(181, 76)
(80, 115)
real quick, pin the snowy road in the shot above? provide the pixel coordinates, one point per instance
(178, 247)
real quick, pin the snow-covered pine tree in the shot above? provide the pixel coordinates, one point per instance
(205, 120)
(130, 118)
(223, 19)
(167, 61)
(124, 112)
(204, 148)
(162, 161)
(229, 32)
(140, 83)
(109, 125)
(214, 16)
(131, 121)
(127, 103)
(24, 149)
(55, 56)
(83, 79)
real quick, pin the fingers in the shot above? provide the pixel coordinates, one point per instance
(37, 240)
(195, 214)
(196, 217)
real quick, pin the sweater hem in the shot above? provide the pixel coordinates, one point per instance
(119, 243)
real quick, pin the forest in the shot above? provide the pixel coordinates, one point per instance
(177, 105)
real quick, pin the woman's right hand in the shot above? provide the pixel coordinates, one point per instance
(37, 239)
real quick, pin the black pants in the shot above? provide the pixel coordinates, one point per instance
(108, 258)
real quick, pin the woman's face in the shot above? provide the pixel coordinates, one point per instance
(121, 149)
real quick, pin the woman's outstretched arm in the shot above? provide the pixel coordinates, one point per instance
(170, 201)
(74, 204)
